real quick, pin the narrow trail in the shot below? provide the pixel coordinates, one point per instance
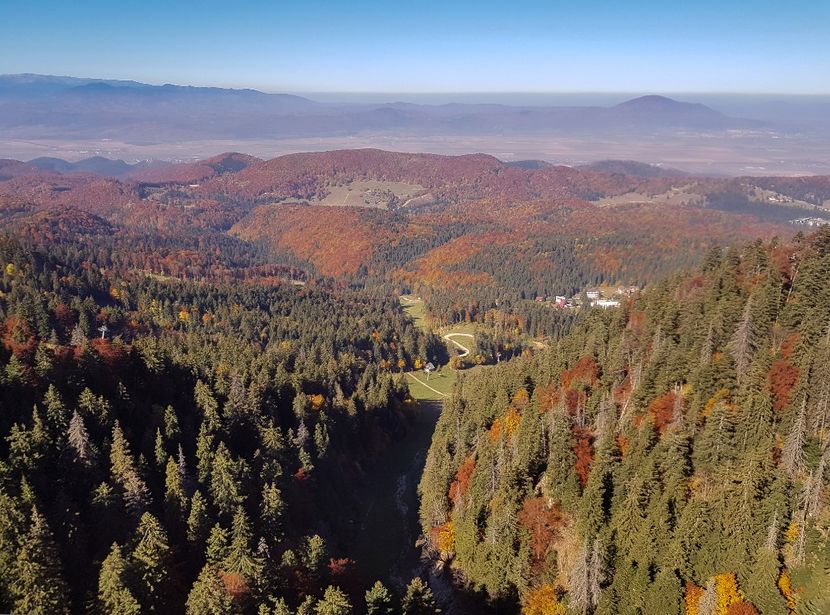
(465, 351)
(422, 383)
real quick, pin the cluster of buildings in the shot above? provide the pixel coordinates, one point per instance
(594, 297)
(809, 221)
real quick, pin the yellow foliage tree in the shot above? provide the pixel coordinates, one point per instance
(446, 537)
(786, 587)
(726, 586)
(511, 421)
(542, 601)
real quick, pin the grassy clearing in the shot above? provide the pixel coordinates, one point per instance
(462, 327)
(416, 310)
(369, 193)
(442, 381)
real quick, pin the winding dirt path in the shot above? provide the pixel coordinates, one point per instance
(465, 351)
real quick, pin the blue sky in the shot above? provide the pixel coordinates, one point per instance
(429, 45)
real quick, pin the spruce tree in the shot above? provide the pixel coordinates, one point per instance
(418, 599)
(39, 587)
(379, 600)
(152, 559)
(239, 558)
(114, 593)
(197, 520)
(208, 595)
(334, 602)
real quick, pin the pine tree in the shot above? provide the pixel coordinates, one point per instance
(204, 453)
(171, 424)
(39, 587)
(175, 499)
(743, 343)
(11, 525)
(334, 602)
(136, 495)
(152, 558)
(217, 546)
(762, 584)
(114, 594)
(379, 600)
(418, 599)
(159, 454)
(224, 482)
(197, 520)
(792, 455)
(207, 403)
(314, 554)
(271, 513)
(78, 440)
(239, 558)
(208, 595)
(665, 594)
(56, 411)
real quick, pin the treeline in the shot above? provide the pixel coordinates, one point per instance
(173, 446)
(666, 457)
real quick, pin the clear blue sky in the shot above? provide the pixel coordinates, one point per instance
(758, 46)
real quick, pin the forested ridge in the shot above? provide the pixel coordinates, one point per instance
(171, 445)
(666, 457)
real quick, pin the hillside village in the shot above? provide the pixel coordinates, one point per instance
(604, 297)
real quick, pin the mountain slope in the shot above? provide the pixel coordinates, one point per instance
(669, 453)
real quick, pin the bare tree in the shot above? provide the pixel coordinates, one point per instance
(742, 344)
(792, 457)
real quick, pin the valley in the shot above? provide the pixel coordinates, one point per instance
(303, 375)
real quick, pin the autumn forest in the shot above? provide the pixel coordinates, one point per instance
(206, 367)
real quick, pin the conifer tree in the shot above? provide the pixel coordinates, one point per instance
(271, 513)
(224, 481)
(175, 497)
(197, 520)
(418, 599)
(152, 559)
(78, 440)
(762, 584)
(114, 593)
(39, 587)
(208, 595)
(239, 558)
(334, 602)
(217, 546)
(379, 600)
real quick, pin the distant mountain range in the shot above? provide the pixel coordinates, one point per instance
(73, 118)
(39, 106)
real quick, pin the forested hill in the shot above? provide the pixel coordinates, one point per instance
(667, 457)
(169, 445)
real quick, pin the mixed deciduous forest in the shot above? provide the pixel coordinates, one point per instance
(201, 369)
(666, 457)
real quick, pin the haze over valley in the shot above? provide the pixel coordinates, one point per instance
(74, 118)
